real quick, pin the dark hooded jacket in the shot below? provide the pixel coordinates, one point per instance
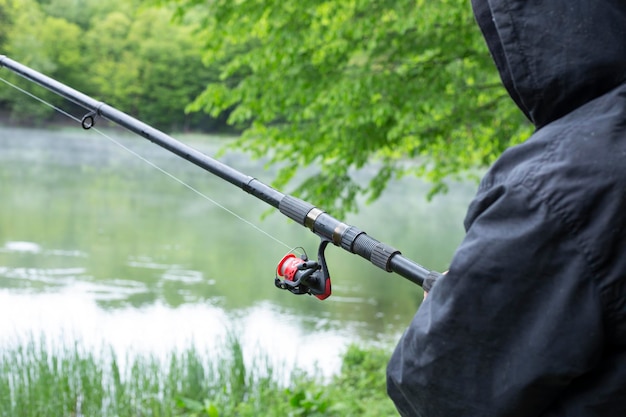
(531, 318)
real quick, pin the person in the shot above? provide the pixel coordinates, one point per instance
(530, 319)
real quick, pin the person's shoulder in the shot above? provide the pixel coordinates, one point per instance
(578, 156)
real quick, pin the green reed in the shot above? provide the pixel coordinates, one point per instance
(39, 378)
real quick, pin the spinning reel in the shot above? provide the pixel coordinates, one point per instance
(303, 276)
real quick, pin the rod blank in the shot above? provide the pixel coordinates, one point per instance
(327, 227)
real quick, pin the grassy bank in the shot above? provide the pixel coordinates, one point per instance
(37, 379)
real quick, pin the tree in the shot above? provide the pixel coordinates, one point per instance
(49, 44)
(132, 57)
(171, 73)
(404, 86)
(85, 12)
(5, 21)
(146, 66)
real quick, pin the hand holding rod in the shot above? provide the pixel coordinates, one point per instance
(322, 224)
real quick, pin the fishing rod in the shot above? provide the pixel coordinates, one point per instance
(296, 274)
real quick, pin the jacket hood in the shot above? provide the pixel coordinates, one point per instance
(554, 56)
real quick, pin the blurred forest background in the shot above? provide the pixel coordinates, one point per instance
(403, 87)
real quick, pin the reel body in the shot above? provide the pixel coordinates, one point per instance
(303, 276)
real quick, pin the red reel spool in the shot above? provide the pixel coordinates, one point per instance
(288, 266)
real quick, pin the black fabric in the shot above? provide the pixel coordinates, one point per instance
(554, 56)
(530, 320)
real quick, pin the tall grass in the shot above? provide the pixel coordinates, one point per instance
(38, 378)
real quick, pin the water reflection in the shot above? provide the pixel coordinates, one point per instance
(158, 329)
(96, 244)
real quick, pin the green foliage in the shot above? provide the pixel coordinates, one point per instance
(48, 43)
(5, 21)
(84, 12)
(150, 68)
(129, 56)
(360, 388)
(38, 378)
(306, 402)
(338, 84)
(198, 409)
(328, 89)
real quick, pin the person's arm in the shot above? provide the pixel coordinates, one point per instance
(514, 321)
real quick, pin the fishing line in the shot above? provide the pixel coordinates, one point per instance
(152, 164)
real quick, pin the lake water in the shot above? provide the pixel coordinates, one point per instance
(98, 246)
